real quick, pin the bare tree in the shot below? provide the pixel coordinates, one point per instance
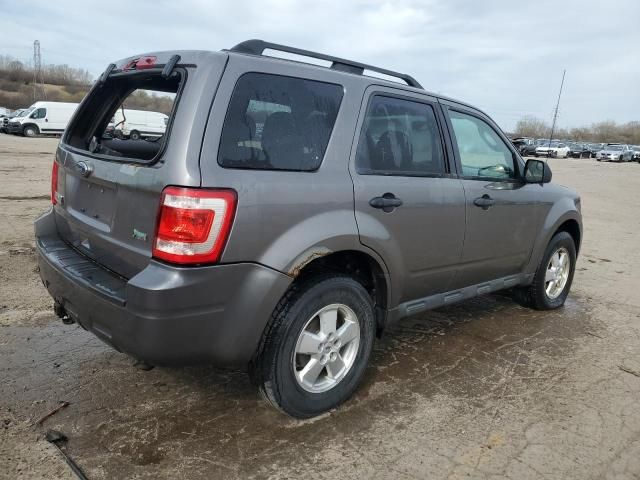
(530, 126)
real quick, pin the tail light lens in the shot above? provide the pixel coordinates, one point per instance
(193, 224)
(54, 183)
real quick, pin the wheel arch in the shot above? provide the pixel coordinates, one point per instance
(363, 266)
(563, 216)
(572, 227)
(27, 125)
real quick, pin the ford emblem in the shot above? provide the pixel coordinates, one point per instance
(83, 169)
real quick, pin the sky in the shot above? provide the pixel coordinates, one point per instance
(505, 57)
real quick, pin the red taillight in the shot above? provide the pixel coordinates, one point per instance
(54, 183)
(193, 224)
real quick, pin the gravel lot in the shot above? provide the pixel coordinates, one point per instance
(485, 389)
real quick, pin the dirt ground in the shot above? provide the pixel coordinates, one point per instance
(485, 389)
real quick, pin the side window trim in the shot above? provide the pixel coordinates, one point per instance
(458, 159)
(375, 91)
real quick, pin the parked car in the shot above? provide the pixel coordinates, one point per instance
(579, 150)
(281, 250)
(5, 121)
(636, 152)
(526, 146)
(594, 148)
(42, 117)
(615, 152)
(553, 149)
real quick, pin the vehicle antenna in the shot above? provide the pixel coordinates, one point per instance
(555, 113)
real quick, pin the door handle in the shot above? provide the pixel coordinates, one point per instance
(386, 203)
(485, 202)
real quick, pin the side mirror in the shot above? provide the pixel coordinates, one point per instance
(537, 171)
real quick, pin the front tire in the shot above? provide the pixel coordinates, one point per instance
(134, 135)
(30, 131)
(553, 278)
(316, 346)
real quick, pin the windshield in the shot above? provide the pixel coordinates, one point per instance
(615, 148)
(26, 112)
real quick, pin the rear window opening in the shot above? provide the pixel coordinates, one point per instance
(128, 118)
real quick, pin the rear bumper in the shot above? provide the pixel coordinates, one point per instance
(163, 315)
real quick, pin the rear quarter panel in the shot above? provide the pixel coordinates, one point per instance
(285, 219)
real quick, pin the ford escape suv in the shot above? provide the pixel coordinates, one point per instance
(288, 214)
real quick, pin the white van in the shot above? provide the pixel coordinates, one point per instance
(136, 124)
(42, 117)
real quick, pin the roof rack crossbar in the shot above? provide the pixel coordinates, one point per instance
(257, 47)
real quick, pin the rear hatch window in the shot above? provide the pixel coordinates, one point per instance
(108, 183)
(128, 117)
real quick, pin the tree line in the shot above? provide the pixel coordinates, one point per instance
(19, 89)
(16, 71)
(600, 132)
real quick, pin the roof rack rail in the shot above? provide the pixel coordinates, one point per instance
(257, 47)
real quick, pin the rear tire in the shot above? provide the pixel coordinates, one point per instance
(542, 294)
(305, 385)
(30, 131)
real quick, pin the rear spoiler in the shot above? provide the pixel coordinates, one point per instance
(167, 69)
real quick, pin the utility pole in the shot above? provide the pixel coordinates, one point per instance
(555, 113)
(37, 67)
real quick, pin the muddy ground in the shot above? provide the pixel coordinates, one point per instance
(484, 389)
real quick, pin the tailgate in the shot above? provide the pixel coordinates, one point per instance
(109, 215)
(109, 182)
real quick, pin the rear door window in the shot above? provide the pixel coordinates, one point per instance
(278, 123)
(128, 118)
(400, 137)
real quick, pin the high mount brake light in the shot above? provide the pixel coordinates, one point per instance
(146, 62)
(193, 224)
(141, 63)
(54, 183)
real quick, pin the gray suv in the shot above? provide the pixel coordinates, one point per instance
(289, 214)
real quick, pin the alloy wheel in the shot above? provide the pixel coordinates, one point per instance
(557, 275)
(326, 348)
